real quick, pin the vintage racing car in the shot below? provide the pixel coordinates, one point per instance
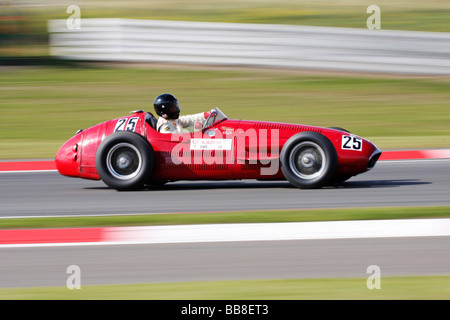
(127, 153)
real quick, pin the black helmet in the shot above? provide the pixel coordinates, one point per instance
(167, 104)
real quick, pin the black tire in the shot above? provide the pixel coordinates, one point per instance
(308, 160)
(125, 160)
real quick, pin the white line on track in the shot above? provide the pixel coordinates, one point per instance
(323, 230)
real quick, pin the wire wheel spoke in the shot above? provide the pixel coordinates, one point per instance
(307, 160)
(124, 161)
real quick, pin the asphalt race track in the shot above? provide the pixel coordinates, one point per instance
(390, 183)
(396, 183)
(121, 264)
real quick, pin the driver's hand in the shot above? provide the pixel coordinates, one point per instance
(198, 125)
(206, 114)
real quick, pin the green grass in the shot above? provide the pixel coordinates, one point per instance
(41, 107)
(398, 288)
(229, 217)
(400, 14)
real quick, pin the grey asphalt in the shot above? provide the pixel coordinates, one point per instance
(393, 183)
(122, 264)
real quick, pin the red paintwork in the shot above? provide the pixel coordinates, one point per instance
(76, 157)
(39, 236)
(27, 166)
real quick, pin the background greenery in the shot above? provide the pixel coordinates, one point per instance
(41, 107)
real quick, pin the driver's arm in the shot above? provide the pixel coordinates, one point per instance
(190, 120)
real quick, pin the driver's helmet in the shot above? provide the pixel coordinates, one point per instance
(167, 106)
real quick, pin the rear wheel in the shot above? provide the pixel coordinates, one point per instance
(308, 160)
(124, 161)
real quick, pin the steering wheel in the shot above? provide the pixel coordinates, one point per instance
(211, 115)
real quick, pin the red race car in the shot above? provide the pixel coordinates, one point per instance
(128, 153)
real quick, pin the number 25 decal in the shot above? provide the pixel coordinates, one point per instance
(124, 125)
(351, 143)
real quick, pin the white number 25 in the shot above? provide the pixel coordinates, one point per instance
(351, 143)
(123, 125)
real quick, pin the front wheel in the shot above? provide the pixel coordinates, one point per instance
(124, 161)
(308, 160)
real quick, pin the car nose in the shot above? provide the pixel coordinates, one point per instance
(68, 157)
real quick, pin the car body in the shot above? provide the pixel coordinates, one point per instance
(128, 153)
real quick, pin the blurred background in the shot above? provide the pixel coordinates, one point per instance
(394, 88)
(45, 99)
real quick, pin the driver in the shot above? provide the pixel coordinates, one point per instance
(167, 107)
